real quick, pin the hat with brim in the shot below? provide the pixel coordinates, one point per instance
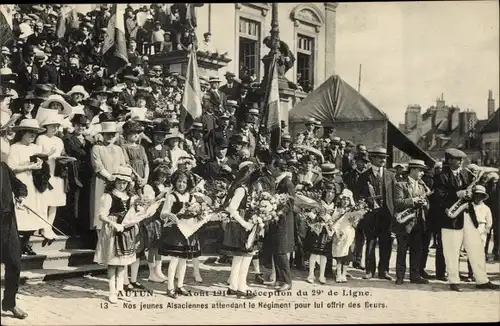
(415, 164)
(232, 103)
(7, 120)
(286, 137)
(197, 126)
(310, 121)
(455, 153)
(174, 135)
(93, 103)
(249, 118)
(214, 80)
(123, 173)
(131, 78)
(224, 116)
(37, 8)
(66, 108)
(29, 125)
(378, 152)
(52, 119)
(78, 89)
(329, 169)
(6, 73)
(101, 90)
(229, 74)
(160, 128)
(156, 81)
(186, 159)
(362, 157)
(244, 164)
(480, 190)
(254, 112)
(222, 143)
(109, 127)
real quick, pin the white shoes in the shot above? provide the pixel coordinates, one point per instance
(113, 298)
(310, 279)
(155, 273)
(198, 279)
(322, 280)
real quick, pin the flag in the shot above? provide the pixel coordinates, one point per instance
(6, 13)
(114, 48)
(191, 99)
(271, 122)
(68, 20)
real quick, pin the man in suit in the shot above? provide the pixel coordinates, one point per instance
(27, 72)
(218, 167)
(128, 95)
(280, 237)
(231, 88)
(411, 193)
(247, 132)
(196, 145)
(216, 98)
(376, 186)
(11, 248)
(351, 180)
(221, 131)
(452, 185)
(48, 73)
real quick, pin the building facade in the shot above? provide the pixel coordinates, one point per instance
(240, 28)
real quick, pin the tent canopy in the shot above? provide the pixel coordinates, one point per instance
(336, 104)
(335, 100)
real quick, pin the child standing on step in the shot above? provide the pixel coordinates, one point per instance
(115, 245)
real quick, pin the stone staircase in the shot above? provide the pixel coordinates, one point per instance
(65, 258)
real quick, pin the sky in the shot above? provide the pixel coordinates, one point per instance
(411, 52)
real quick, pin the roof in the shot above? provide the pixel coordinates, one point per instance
(480, 125)
(493, 124)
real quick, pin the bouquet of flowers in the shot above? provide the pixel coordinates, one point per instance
(264, 208)
(216, 191)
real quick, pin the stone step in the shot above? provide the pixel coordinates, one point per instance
(60, 243)
(53, 259)
(65, 272)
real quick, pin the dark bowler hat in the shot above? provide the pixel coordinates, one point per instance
(161, 127)
(362, 157)
(283, 124)
(378, 151)
(43, 90)
(79, 119)
(222, 143)
(239, 139)
(93, 103)
(455, 153)
(416, 164)
(230, 74)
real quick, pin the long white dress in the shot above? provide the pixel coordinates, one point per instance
(19, 156)
(55, 197)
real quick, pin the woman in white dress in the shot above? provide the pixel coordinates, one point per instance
(19, 161)
(53, 146)
(175, 152)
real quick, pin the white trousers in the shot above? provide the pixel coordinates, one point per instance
(471, 239)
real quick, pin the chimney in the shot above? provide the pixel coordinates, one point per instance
(491, 104)
(440, 103)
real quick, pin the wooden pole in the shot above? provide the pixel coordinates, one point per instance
(210, 18)
(359, 79)
(275, 32)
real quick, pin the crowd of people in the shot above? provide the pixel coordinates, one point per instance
(80, 147)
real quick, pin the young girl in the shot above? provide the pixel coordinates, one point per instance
(137, 158)
(174, 243)
(320, 246)
(237, 230)
(151, 227)
(343, 237)
(115, 245)
(54, 147)
(175, 152)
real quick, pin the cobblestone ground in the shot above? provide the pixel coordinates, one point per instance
(83, 301)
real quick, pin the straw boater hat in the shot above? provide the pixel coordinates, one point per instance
(186, 159)
(232, 103)
(197, 126)
(7, 73)
(78, 89)
(123, 173)
(108, 127)
(59, 99)
(28, 125)
(286, 137)
(419, 164)
(214, 79)
(174, 134)
(480, 190)
(245, 163)
(378, 151)
(310, 121)
(329, 169)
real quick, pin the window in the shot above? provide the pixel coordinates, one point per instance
(249, 43)
(305, 62)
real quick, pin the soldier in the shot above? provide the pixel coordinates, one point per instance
(411, 193)
(451, 185)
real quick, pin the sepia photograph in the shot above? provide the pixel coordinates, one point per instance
(250, 163)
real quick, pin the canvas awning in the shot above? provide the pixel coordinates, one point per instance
(336, 104)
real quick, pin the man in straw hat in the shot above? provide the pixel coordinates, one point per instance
(411, 193)
(451, 185)
(11, 247)
(376, 186)
(216, 98)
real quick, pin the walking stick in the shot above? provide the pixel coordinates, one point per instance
(44, 220)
